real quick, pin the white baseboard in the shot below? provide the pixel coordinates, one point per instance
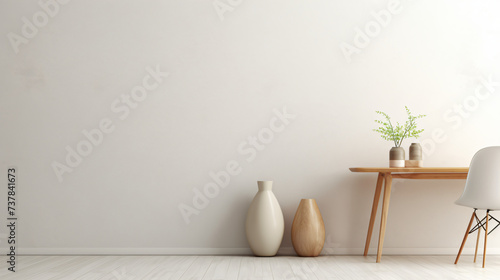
(392, 251)
(284, 251)
(134, 251)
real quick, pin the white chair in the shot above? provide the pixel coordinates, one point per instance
(482, 192)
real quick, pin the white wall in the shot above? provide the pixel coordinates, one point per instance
(227, 74)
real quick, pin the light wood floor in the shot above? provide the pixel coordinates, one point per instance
(234, 267)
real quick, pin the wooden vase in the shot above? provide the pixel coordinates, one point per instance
(308, 229)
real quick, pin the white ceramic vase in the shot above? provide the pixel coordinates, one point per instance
(265, 224)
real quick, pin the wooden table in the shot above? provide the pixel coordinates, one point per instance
(387, 174)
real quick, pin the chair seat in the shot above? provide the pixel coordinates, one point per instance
(473, 204)
(482, 188)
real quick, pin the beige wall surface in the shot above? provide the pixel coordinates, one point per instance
(143, 126)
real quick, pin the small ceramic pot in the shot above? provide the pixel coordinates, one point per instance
(397, 157)
(415, 151)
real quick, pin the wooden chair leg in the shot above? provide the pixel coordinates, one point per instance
(486, 236)
(465, 237)
(477, 242)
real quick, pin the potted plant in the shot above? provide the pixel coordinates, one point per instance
(396, 134)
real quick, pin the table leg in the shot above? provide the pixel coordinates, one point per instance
(376, 199)
(385, 211)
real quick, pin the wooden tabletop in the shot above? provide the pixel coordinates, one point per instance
(411, 169)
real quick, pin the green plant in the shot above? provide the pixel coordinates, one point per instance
(399, 132)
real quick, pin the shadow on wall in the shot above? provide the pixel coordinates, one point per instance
(349, 204)
(233, 220)
(345, 205)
